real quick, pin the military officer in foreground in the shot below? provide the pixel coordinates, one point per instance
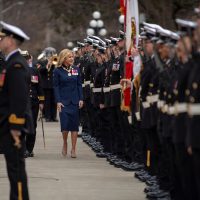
(14, 98)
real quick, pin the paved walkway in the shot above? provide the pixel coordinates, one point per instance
(52, 177)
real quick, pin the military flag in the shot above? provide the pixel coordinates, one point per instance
(131, 24)
(131, 27)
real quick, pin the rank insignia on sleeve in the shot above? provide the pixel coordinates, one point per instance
(13, 119)
(41, 98)
(2, 77)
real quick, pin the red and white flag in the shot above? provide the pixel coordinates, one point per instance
(131, 24)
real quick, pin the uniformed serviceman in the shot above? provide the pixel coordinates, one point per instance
(192, 98)
(46, 72)
(14, 98)
(37, 101)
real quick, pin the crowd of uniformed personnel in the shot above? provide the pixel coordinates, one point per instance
(162, 144)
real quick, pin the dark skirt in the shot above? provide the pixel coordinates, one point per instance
(69, 118)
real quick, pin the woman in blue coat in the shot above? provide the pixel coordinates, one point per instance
(69, 97)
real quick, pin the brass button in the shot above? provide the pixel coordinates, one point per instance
(158, 91)
(187, 92)
(194, 85)
(169, 96)
(192, 99)
(165, 93)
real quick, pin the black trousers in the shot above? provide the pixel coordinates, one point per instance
(127, 132)
(30, 138)
(196, 162)
(105, 129)
(139, 143)
(15, 167)
(118, 141)
(84, 119)
(186, 172)
(49, 105)
(166, 165)
(91, 117)
(153, 146)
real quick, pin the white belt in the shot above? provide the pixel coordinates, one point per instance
(160, 104)
(87, 82)
(146, 104)
(194, 109)
(130, 119)
(106, 89)
(137, 114)
(114, 87)
(171, 110)
(91, 85)
(165, 108)
(96, 90)
(181, 108)
(153, 98)
(83, 85)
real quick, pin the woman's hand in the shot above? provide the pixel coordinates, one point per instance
(59, 107)
(80, 104)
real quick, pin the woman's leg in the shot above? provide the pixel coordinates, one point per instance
(65, 136)
(74, 135)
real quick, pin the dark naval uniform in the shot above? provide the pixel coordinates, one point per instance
(47, 84)
(193, 137)
(36, 97)
(115, 74)
(14, 98)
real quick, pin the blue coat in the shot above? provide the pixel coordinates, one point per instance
(67, 87)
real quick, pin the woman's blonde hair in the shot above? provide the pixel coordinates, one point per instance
(62, 55)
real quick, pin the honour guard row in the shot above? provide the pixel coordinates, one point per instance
(162, 144)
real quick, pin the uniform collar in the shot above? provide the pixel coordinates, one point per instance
(10, 54)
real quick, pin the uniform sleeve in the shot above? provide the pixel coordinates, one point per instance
(56, 85)
(40, 91)
(18, 96)
(42, 67)
(80, 89)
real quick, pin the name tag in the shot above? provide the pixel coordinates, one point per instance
(115, 67)
(34, 79)
(2, 78)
